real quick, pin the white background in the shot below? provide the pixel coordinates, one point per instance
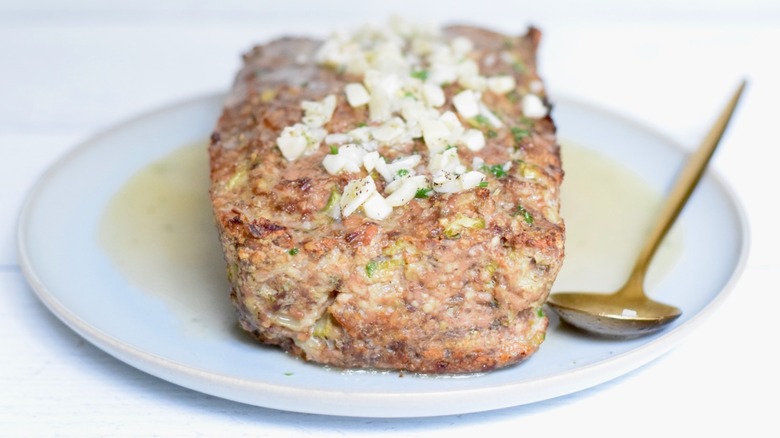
(71, 69)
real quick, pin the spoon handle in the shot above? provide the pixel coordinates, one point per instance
(684, 186)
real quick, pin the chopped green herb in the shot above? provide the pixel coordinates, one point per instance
(403, 172)
(481, 120)
(526, 215)
(491, 133)
(519, 133)
(450, 146)
(423, 193)
(420, 74)
(497, 170)
(293, 251)
(483, 184)
(334, 150)
(332, 208)
(540, 312)
(371, 269)
(362, 125)
(409, 94)
(518, 67)
(289, 373)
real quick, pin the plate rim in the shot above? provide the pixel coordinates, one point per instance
(394, 404)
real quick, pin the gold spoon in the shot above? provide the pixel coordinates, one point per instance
(629, 313)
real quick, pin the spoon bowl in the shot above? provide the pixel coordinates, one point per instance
(613, 315)
(629, 313)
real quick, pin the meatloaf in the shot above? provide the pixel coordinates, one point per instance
(388, 198)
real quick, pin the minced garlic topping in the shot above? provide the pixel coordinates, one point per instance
(403, 68)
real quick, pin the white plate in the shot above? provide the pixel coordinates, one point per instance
(71, 273)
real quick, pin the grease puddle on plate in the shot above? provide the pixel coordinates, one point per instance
(159, 231)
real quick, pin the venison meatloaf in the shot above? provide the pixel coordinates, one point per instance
(388, 198)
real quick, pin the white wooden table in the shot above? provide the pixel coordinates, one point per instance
(71, 69)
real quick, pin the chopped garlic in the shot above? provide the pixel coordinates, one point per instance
(337, 138)
(399, 180)
(391, 171)
(348, 158)
(501, 84)
(380, 165)
(357, 95)
(377, 81)
(390, 131)
(375, 207)
(436, 135)
(414, 111)
(468, 68)
(485, 112)
(443, 73)
(406, 164)
(453, 123)
(473, 82)
(446, 161)
(445, 182)
(333, 164)
(433, 94)
(461, 45)
(298, 140)
(379, 106)
(318, 113)
(466, 102)
(360, 135)
(395, 184)
(406, 190)
(291, 146)
(533, 107)
(472, 179)
(388, 56)
(370, 145)
(474, 139)
(355, 194)
(370, 160)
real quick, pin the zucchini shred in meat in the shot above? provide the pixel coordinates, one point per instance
(389, 198)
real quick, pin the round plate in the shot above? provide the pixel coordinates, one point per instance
(71, 273)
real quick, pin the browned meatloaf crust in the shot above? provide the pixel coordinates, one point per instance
(419, 291)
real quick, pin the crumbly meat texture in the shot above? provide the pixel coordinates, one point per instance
(413, 292)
